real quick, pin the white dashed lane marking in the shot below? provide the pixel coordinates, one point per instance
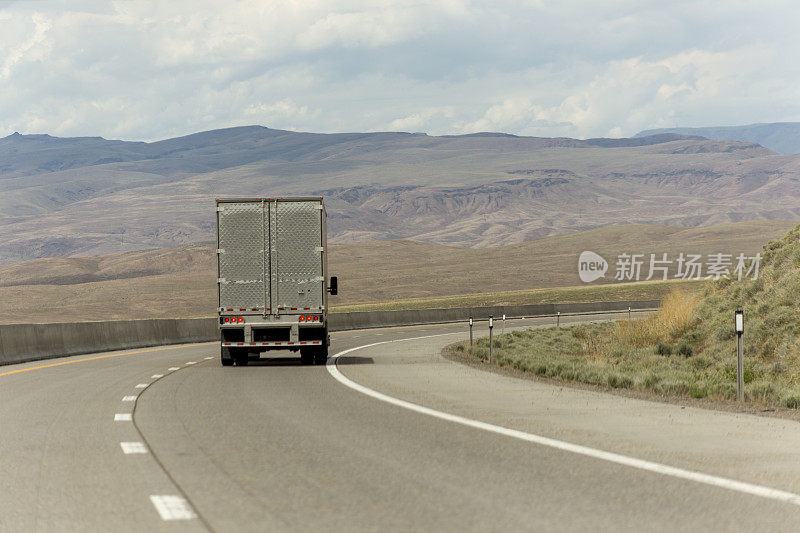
(209, 358)
(133, 447)
(173, 368)
(129, 398)
(141, 386)
(157, 376)
(191, 362)
(172, 507)
(122, 417)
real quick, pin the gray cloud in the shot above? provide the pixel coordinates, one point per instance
(150, 70)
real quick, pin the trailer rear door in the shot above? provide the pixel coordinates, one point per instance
(295, 230)
(241, 237)
(271, 256)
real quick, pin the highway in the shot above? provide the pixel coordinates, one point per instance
(388, 436)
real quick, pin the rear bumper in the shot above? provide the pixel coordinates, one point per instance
(265, 335)
(282, 344)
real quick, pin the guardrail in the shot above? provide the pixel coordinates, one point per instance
(414, 317)
(28, 342)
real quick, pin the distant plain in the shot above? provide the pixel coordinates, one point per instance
(180, 281)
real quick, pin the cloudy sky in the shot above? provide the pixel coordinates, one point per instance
(141, 70)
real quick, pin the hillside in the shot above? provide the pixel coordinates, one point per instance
(687, 348)
(783, 137)
(772, 312)
(181, 281)
(89, 196)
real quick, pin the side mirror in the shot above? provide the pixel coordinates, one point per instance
(334, 286)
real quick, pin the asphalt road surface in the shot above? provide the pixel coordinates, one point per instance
(166, 439)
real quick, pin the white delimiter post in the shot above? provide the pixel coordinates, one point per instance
(739, 326)
(491, 325)
(470, 334)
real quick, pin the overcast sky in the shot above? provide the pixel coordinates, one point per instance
(140, 70)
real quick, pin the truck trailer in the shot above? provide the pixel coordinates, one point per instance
(273, 278)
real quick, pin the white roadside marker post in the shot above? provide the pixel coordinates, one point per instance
(504, 324)
(558, 319)
(491, 325)
(739, 326)
(470, 334)
(629, 313)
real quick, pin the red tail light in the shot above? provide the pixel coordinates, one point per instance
(316, 318)
(302, 318)
(241, 319)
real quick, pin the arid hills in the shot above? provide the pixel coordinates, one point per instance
(63, 197)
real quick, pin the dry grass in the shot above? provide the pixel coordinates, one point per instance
(675, 317)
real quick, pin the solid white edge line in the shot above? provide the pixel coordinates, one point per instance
(650, 466)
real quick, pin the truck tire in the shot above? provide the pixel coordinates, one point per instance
(306, 356)
(225, 356)
(321, 355)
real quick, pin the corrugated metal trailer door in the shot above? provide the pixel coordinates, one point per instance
(241, 255)
(296, 255)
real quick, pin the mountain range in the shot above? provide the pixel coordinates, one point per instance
(783, 137)
(64, 197)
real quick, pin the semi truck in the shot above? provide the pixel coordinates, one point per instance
(273, 278)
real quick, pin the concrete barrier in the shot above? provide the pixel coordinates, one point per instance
(28, 342)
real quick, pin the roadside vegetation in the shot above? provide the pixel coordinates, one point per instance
(687, 348)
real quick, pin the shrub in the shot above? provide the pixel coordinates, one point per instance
(791, 400)
(580, 332)
(663, 349)
(651, 380)
(701, 363)
(685, 349)
(697, 391)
